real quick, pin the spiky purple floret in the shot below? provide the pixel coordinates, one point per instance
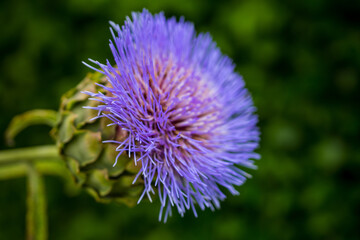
(189, 120)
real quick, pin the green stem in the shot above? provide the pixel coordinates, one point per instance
(20, 169)
(47, 152)
(36, 219)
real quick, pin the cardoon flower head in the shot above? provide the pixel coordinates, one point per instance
(182, 112)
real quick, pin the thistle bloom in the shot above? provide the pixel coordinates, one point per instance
(184, 115)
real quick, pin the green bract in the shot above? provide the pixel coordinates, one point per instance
(79, 140)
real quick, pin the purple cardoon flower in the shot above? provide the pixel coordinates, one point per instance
(184, 112)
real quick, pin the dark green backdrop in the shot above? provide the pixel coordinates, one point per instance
(301, 62)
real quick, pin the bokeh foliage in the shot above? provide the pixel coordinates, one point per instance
(301, 62)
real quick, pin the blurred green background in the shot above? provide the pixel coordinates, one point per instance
(301, 62)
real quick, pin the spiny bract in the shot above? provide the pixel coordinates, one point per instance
(186, 117)
(90, 161)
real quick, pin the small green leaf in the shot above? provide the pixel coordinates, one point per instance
(107, 160)
(132, 168)
(85, 147)
(33, 117)
(74, 168)
(75, 95)
(107, 132)
(66, 129)
(124, 191)
(98, 180)
(83, 115)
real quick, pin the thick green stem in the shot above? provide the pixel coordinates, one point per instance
(45, 159)
(20, 169)
(47, 152)
(36, 219)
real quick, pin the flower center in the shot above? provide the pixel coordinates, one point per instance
(181, 106)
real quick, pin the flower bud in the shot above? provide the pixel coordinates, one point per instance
(80, 142)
